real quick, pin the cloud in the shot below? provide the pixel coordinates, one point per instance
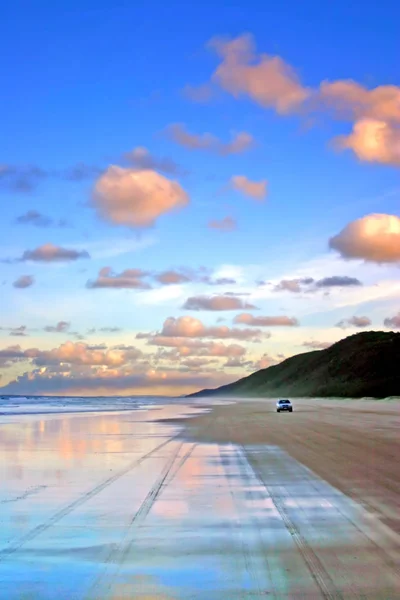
(337, 281)
(20, 331)
(240, 143)
(374, 238)
(141, 158)
(264, 362)
(195, 347)
(216, 303)
(24, 281)
(293, 285)
(133, 278)
(129, 279)
(79, 353)
(11, 355)
(372, 141)
(196, 363)
(354, 322)
(26, 178)
(225, 224)
(349, 99)
(33, 217)
(201, 93)
(316, 345)
(392, 322)
(267, 80)
(109, 382)
(172, 277)
(264, 321)
(190, 327)
(80, 172)
(37, 219)
(60, 327)
(51, 253)
(136, 198)
(254, 189)
(21, 178)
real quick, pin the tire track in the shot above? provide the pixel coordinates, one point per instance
(318, 572)
(15, 546)
(104, 583)
(250, 567)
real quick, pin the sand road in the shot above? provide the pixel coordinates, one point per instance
(123, 505)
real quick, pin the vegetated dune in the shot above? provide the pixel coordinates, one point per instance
(366, 364)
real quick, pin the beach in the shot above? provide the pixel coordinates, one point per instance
(171, 499)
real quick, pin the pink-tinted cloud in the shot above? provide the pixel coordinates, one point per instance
(136, 198)
(240, 143)
(217, 303)
(190, 327)
(225, 224)
(373, 141)
(78, 353)
(51, 253)
(393, 322)
(355, 321)
(24, 281)
(253, 189)
(374, 238)
(349, 99)
(196, 347)
(265, 361)
(264, 321)
(293, 285)
(142, 159)
(267, 80)
(97, 381)
(130, 279)
(172, 277)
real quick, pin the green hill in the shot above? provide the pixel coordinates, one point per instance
(361, 365)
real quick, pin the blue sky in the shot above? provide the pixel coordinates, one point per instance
(316, 91)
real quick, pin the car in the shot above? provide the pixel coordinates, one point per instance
(284, 405)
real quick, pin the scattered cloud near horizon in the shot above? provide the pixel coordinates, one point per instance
(190, 327)
(264, 321)
(216, 303)
(354, 322)
(393, 322)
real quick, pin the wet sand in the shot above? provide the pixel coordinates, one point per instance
(240, 503)
(352, 444)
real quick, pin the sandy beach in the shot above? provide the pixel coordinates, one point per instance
(187, 501)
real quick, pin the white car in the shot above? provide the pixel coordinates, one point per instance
(284, 405)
